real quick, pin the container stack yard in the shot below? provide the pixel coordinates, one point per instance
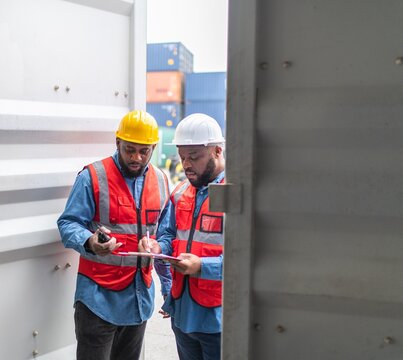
(167, 65)
(206, 93)
(175, 91)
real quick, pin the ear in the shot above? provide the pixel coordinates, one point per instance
(117, 142)
(217, 151)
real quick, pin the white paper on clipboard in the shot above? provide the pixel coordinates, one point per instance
(150, 255)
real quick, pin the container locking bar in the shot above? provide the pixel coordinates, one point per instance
(225, 198)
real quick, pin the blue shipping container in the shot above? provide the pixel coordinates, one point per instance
(209, 86)
(215, 109)
(169, 57)
(166, 114)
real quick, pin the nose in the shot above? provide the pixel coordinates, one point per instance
(185, 164)
(136, 157)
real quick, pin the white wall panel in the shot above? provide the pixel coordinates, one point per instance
(66, 74)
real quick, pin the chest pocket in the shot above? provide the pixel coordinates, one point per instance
(183, 215)
(212, 223)
(152, 217)
(126, 212)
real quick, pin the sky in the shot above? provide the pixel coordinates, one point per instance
(201, 25)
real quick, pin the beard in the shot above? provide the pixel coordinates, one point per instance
(206, 177)
(126, 170)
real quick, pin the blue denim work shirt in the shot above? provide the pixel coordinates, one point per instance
(130, 306)
(187, 314)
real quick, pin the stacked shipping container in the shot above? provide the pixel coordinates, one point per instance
(206, 93)
(174, 91)
(167, 64)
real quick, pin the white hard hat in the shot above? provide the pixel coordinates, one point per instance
(198, 129)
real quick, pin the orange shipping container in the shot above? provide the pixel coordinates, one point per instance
(164, 86)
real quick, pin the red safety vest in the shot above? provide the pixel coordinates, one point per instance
(116, 209)
(203, 237)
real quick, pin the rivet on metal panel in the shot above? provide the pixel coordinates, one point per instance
(35, 352)
(56, 87)
(67, 265)
(57, 267)
(280, 329)
(263, 65)
(35, 333)
(286, 64)
(68, 88)
(116, 93)
(257, 327)
(388, 340)
(399, 60)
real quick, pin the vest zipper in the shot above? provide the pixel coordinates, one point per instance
(191, 233)
(139, 225)
(190, 239)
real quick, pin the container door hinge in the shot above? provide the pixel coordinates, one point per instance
(225, 198)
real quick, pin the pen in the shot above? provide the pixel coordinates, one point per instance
(148, 240)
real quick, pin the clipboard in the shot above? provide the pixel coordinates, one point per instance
(149, 255)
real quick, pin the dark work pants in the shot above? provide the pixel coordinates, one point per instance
(99, 340)
(197, 346)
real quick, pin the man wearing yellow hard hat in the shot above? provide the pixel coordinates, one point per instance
(113, 204)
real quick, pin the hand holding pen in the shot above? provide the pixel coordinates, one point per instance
(147, 244)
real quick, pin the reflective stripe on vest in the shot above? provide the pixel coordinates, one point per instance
(118, 260)
(117, 210)
(205, 239)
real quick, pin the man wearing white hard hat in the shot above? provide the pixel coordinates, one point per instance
(195, 236)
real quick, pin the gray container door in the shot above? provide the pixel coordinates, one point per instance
(314, 248)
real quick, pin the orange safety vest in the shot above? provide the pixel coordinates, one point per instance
(116, 209)
(202, 236)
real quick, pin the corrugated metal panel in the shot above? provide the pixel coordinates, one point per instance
(56, 115)
(166, 114)
(317, 275)
(165, 86)
(169, 57)
(209, 86)
(216, 109)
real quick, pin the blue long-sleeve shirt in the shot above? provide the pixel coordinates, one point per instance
(187, 314)
(134, 304)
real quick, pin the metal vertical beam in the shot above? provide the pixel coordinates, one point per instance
(138, 55)
(239, 171)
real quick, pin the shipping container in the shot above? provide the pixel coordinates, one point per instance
(166, 114)
(169, 57)
(57, 114)
(314, 202)
(164, 86)
(207, 86)
(215, 109)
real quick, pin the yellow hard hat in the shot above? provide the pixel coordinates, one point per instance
(138, 127)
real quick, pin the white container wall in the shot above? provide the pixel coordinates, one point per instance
(314, 250)
(67, 75)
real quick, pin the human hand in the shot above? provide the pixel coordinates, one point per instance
(149, 245)
(188, 264)
(102, 248)
(164, 314)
